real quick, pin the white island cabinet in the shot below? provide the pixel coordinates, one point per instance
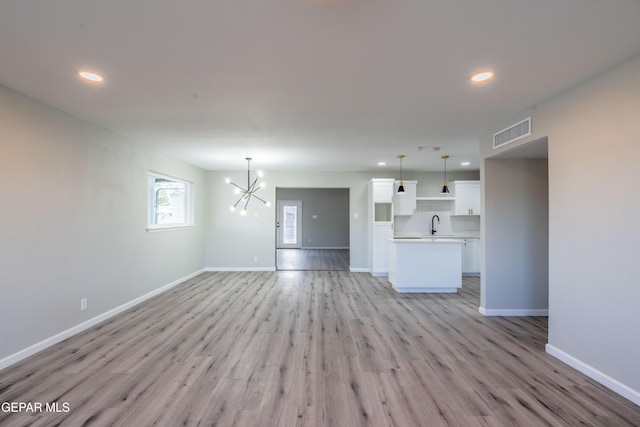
(426, 265)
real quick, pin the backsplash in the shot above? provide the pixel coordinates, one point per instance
(420, 223)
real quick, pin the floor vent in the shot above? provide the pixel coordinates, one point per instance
(512, 133)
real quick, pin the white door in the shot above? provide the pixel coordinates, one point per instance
(289, 224)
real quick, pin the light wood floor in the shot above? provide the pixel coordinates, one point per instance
(313, 259)
(310, 349)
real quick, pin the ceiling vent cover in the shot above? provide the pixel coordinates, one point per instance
(512, 133)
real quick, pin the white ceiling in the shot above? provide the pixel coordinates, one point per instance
(309, 84)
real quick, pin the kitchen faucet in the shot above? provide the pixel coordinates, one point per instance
(433, 227)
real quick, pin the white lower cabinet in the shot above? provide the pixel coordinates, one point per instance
(471, 256)
(382, 232)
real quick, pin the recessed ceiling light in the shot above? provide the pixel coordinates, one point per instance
(482, 77)
(382, 163)
(465, 164)
(91, 76)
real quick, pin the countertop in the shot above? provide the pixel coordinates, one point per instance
(417, 240)
(459, 235)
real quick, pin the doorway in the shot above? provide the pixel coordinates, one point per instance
(515, 273)
(312, 229)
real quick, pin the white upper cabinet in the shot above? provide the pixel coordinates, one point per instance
(405, 203)
(467, 197)
(382, 190)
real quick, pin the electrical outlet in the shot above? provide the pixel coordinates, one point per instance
(255, 259)
(83, 304)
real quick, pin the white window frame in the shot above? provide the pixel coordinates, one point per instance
(151, 203)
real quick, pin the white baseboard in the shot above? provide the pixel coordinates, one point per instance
(590, 371)
(240, 269)
(48, 342)
(410, 290)
(325, 247)
(231, 269)
(380, 273)
(513, 312)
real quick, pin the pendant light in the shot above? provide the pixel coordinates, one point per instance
(401, 186)
(247, 193)
(445, 186)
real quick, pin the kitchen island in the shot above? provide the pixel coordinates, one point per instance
(426, 264)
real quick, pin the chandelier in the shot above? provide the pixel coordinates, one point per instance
(247, 193)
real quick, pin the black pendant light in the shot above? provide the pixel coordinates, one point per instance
(445, 186)
(401, 186)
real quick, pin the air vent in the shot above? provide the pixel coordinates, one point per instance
(512, 133)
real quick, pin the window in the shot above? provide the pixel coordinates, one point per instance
(170, 202)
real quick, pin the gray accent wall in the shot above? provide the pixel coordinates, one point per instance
(73, 222)
(593, 136)
(325, 215)
(516, 227)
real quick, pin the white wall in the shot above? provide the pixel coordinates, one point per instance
(594, 285)
(72, 223)
(234, 242)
